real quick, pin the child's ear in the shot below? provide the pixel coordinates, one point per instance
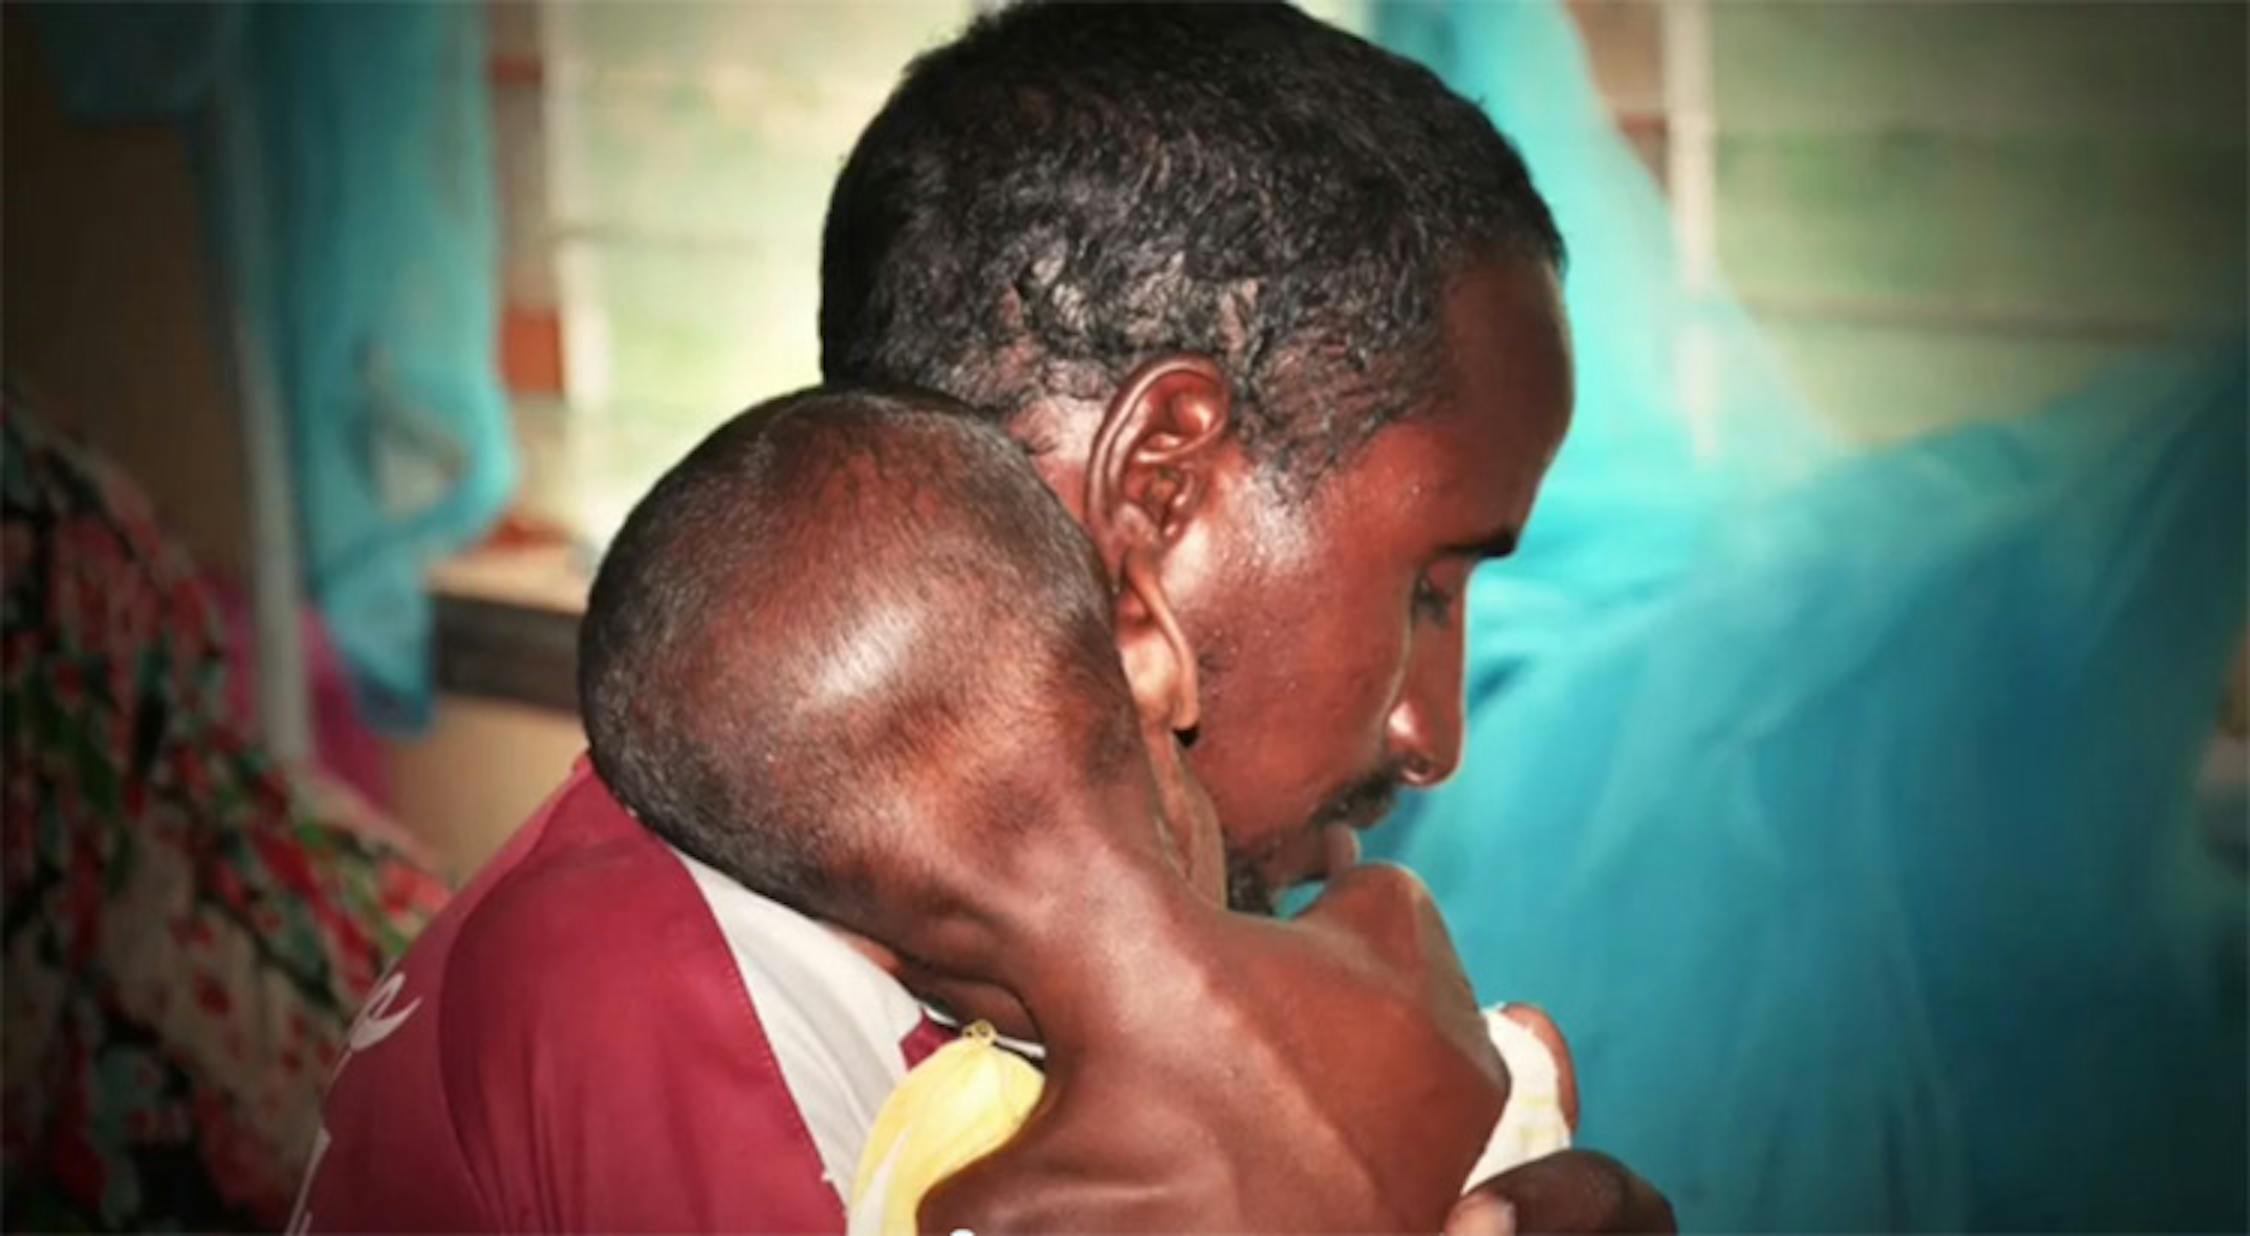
(1159, 665)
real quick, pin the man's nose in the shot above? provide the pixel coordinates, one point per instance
(1425, 726)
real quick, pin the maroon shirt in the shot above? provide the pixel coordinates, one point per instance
(600, 1034)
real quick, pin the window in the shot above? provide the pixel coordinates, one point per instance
(667, 167)
(1940, 212)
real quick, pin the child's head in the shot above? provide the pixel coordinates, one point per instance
(852, 638)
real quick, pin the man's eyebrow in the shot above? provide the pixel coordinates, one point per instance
(1499, 545)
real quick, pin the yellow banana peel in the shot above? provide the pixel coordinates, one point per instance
(962, 1103)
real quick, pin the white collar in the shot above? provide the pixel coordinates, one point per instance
(833, 1019)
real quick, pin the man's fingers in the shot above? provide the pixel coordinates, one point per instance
(1577, 1191)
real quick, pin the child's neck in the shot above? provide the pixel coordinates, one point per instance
(1081, 933)
(1111, 958)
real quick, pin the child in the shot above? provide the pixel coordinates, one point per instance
(880, 677)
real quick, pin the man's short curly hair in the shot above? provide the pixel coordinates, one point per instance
(1064, 192)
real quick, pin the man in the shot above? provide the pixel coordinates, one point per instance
(1281, 306)
(1278, 315)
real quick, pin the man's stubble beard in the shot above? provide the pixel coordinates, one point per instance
(1247, 890)
(1359, 806)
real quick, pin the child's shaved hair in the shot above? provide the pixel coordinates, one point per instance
(838, 607)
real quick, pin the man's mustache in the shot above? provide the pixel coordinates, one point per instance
(1362, 803)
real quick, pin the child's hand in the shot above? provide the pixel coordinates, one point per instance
(1388, 911)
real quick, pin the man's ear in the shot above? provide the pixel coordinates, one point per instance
(1159, 664)
(1148, 469)
(1148, 472)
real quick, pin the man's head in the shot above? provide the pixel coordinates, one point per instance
(1273, 308)
(850, 648)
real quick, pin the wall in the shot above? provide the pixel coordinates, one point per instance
(1947, 211)
(107, 303)
(1943, 211)
(483, 767)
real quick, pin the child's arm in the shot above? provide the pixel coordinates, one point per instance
(1336, 1077)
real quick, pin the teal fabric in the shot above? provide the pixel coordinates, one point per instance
(1841, 807)
(1642, 478)
(345, 154)
(382, 299)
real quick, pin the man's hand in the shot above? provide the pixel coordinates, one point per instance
(1571, 1192)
